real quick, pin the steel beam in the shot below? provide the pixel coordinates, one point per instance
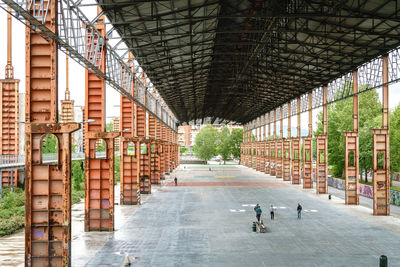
(141, 131)
(129, 151)
(296, 150)
(287, 149)
(322, 150)
(381, 159)
(351, 152)
(48, 186)
(99, 172)
(154, 154)
(273, 148)
(9, 113)
(307, 150)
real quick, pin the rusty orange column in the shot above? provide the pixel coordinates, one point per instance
(279, 148)
(170, 150)
(322, 150)
(9, 113)
(161, 165)
(99, 171)
(273, 148)
(162, 150)
(286, 149)
(166, 150)
(47, 186)
(351, 152)
(129, 150)
(296, 150)
(154, 154)
(307, 149)
(144, 146)
(381, 158)
(268, 147)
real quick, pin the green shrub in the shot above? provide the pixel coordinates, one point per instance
(12, 211)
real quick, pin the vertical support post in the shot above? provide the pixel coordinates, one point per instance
(268, 147)
(99, 171)
(129, 151)
(273, 147)
(287, 149)
(351, 152)
(381, 158)
(296, 148)
(279, 148)
(307, 150)
(322, 150)
(47, 186)
(9, 113)
(154, 157)
(1, 184)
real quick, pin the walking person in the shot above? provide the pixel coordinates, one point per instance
(176, 181)
(271, 211)
(256, 208)
(258, 214)
(299, 208)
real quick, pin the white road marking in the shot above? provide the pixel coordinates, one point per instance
(310, 210)
(233, 210)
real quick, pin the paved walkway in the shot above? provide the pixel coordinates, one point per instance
(207, 219)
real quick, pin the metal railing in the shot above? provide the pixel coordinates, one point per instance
(7, 161)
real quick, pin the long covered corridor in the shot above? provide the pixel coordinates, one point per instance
(206, 221)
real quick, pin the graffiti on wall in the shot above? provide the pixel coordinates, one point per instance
(364, 190)
(336, 183)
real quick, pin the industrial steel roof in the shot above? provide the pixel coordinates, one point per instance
(237, 60)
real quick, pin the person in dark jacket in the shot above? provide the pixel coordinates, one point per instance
(299, 208)
(258, 214)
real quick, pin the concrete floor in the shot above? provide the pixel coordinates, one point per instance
(207, 219)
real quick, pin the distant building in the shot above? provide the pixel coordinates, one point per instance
(116, 128)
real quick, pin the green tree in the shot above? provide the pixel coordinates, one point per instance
(109, 127)
(394, 141)
(206, 143)
(78, 174)
(236, 139)
(49, 144)
(224, 146)
(183, 149)
(340, 119)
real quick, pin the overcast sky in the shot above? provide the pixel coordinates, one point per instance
(77, 73)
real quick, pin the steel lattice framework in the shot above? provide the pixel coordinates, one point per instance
(230, 60)
(237, 60)
(78, 36)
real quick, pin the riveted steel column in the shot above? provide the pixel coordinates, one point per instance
(381, 158)
(47, 186)
(129, 150)
(322, 150)
(99, 171)
(9, 113)
(154, 157)
(279, 148)
(286, 149)
(144, 147)
(296, 150)
(273, 147)
(351, 152)
(307, 150)
(268, 147)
